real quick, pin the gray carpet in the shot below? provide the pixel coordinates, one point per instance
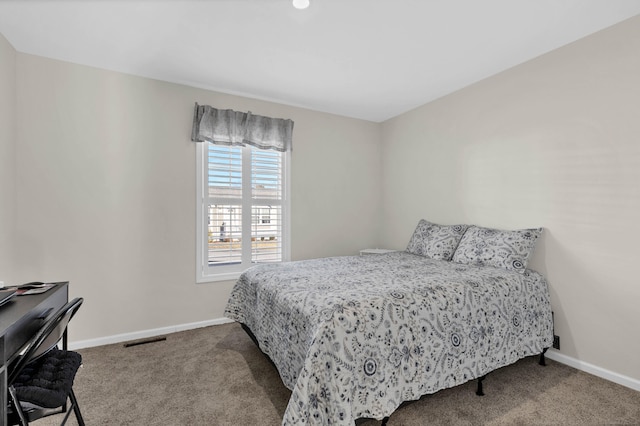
(217, 376)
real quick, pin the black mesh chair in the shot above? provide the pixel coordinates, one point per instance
(40, 381)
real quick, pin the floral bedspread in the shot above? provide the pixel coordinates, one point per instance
(354, 337)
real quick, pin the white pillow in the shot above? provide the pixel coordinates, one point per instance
(435, 241)
(494, 247)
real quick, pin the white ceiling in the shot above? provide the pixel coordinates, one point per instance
(369, 59)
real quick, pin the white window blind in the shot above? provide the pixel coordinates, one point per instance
(266, 208)
(244, 207)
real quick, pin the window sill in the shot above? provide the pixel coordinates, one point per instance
(229, 276)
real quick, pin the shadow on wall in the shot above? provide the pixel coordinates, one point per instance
(563, 268)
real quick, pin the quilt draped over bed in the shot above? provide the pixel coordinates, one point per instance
(354, 337)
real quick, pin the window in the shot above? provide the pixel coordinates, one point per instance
(242, 209)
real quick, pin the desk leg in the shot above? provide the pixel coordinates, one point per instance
(3, 384)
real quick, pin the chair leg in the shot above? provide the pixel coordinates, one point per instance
(15, 405)
(67, 413)
(76, 408)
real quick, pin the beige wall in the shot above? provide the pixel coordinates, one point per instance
(7, 156)
(554, 142)
(102, 189)
(106, 192)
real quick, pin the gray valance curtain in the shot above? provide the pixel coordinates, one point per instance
(228, 127)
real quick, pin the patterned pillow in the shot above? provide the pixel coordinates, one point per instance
(494, 247)
(435, 241)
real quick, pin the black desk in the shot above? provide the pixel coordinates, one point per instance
(20, 319)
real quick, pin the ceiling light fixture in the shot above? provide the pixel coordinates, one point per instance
(301, 4)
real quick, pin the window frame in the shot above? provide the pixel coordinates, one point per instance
(206, 273)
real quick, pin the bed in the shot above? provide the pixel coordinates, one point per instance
(356, 336)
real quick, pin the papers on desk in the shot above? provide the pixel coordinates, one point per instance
(33, 288)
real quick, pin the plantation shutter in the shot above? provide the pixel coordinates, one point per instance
(266, 221)
(224, 193)
(226, 204)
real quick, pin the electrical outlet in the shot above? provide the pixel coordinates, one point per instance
(556, 342)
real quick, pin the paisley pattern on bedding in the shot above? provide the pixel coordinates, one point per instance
(435, 241)
(499, 248)
(354, 337)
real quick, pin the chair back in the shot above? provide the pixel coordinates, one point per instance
(46, 338)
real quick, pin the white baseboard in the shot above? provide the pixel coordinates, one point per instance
(594, 369)
(136, 335)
